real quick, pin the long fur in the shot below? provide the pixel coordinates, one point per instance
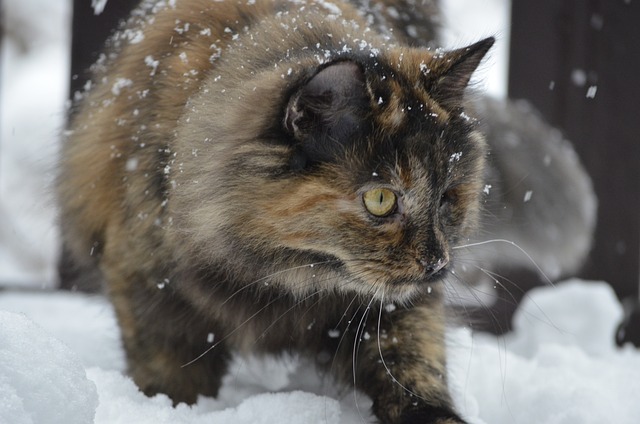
(213, 177)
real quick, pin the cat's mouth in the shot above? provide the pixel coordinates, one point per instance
(418, 283)
(421, 273)
(400, 284)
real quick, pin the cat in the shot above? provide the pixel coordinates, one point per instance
(279, 176)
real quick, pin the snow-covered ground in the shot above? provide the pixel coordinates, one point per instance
(560, 366)
(60, 355)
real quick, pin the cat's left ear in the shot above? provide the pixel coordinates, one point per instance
(449, 74)
(327, 110)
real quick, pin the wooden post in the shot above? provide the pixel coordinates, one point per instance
(578, 62)
(90, 31)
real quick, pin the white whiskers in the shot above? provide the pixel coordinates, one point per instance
(514, 244)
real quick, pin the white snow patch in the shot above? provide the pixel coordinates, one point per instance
(455, 157)
(465, 22)
(333, 333)
(131, 164)
(560, 365)
(41, 380)
(34, 79)
(98, 6)
(151, 63)
(120, 83)
(579, 77)
(330, 7)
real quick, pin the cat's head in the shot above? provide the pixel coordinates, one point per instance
(367, 168)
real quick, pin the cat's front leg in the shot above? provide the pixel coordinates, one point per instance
(402, 366)
(170, 348)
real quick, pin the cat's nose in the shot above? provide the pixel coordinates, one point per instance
(432, 267)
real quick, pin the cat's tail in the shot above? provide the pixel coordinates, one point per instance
(538, 195)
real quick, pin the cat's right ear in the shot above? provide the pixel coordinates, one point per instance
(325, 113)
(449, 73)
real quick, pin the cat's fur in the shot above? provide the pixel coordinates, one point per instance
(214, 173)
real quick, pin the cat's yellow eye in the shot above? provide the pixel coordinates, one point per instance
(380, 202)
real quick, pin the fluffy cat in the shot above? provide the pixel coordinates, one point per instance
(284, 176)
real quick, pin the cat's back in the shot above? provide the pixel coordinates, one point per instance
(117, 156)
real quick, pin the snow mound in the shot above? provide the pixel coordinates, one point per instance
(126, 404)
(41, 380)
(559, 366)
(575, 313)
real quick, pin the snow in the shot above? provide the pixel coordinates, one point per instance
(35, 69)
(61, 359)
(579, 77)
(467, 21)
(559, 366)
(64, 363)
(41, 379)
(98, 6)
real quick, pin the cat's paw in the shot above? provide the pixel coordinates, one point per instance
(430, 415)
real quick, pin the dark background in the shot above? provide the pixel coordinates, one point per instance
(558, 50)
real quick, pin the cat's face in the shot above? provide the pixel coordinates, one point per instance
(371, 171)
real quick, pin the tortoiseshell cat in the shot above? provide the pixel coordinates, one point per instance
(285, 176)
